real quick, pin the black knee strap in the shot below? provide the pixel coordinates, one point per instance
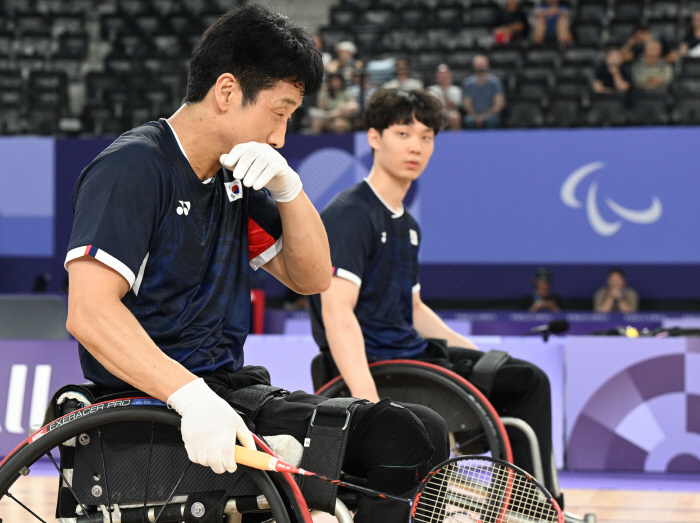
(249, 400)
(484, 370)
(324, 450)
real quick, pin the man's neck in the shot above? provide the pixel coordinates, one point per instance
(392, 190)
(197, 139)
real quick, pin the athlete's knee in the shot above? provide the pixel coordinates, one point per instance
(390, 446)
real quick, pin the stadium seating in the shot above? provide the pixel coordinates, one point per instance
(128, 43)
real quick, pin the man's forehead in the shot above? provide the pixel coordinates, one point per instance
(414, 124)
(287, 93)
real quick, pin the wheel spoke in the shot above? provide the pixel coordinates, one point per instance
(148, 477)
(70, 487)
(189, 464)
(7, 493)
(104, 469)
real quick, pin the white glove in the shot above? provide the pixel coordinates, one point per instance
(209, 426)
(259, 165)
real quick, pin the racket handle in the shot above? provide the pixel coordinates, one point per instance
(255, 459)
(259, 460)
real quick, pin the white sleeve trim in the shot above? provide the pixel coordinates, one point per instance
(107, 259)
(347, 275)
(264, 257)
(415, 288)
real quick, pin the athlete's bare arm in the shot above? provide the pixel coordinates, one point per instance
(305, 262)
(110, 332)
(345, 337)
(430, 325)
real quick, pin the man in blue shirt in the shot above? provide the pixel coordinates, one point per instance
(483, 96)
(373, 310)
(166, 222)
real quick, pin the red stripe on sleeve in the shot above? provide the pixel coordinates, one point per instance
(87, 250)
(259, 240)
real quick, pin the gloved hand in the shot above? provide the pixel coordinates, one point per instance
(209, 426)
(259, 165)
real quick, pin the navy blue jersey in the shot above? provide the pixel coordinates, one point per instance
(377, 249)
(183, 245)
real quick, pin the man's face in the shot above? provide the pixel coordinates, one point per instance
(616, 281)
(403, 150)
(265, 120)
(542, 288)
(652, 49)
(444, 76)
(481, 64)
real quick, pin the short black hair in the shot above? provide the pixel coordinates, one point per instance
(259, 48)
(389, 107)
(617, 270)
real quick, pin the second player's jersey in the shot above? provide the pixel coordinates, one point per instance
(377, 249)
(183, 246)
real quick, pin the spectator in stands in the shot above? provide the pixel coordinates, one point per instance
(345, 64)
(635, 47)
(403, 79)
(613, 75)
(691, 43)
(325, 55)
(361, 88)
(552, 23)
(483, 96)
(513, 24)
(336, 108)
(449, 95)
(616, 296)
(651, 73)
(542, 299)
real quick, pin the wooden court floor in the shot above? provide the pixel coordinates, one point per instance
(610, 506)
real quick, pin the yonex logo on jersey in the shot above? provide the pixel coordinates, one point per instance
(234, 190)
(413, 237)
(384, 237)
(183, 208)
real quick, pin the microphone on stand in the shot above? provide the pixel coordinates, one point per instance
(553, 327)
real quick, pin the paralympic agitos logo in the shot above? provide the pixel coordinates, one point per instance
(598, 223)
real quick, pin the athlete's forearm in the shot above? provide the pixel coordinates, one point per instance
(430, 325)
(348, 349)
(111, 333)
(307, 258)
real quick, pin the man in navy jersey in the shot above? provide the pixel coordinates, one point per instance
(167, 221)
(373, 310)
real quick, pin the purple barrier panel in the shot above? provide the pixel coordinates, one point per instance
(550, 358)
(288, 358)
(633, 404)
(31, 372)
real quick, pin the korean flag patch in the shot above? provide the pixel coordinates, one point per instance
(234, 190)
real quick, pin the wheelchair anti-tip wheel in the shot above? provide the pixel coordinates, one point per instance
(125, 458)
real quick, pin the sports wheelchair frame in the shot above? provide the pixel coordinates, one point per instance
(123, 461)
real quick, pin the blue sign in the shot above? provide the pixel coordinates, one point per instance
(581, 196)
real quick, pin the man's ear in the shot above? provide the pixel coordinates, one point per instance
(227, 92)
(374, 138)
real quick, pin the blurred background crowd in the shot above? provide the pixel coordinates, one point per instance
(89, 67)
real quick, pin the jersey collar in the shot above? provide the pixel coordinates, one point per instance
(182, 149)
(394, 214)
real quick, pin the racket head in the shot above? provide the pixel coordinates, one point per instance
(480, 489)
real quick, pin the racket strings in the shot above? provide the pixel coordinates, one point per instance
(480, 491)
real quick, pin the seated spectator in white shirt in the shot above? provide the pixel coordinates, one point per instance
(651, 72)
(449, 95)
(403, 80)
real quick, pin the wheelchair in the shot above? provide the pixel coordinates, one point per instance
(473, 425)
(122, 460)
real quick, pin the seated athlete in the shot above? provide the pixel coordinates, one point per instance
(159, 257)
(373, 310)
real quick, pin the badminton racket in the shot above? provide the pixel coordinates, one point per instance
(464, 489)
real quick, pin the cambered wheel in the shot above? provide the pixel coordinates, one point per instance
(127, 454)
